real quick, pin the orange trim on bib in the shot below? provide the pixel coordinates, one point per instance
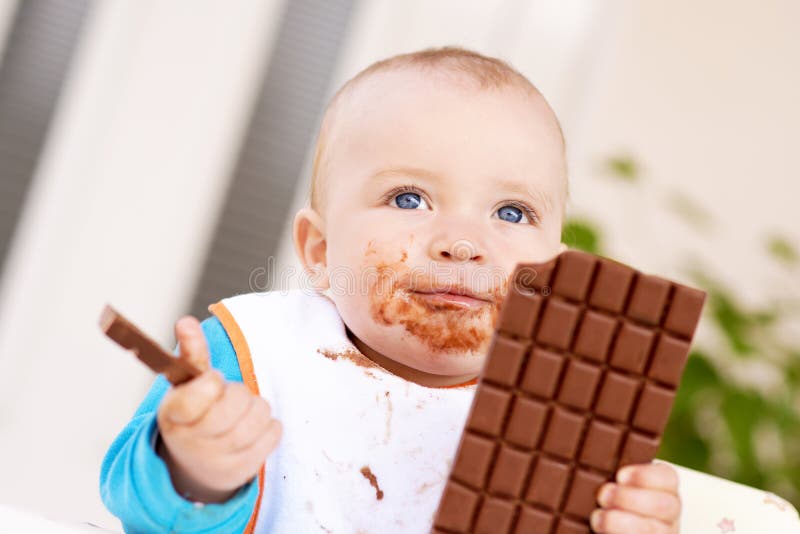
(461, 385)
(245, 359)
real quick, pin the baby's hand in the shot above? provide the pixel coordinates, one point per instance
(215, 434)
(644, 499)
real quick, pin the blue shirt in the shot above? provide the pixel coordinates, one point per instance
(135, 484)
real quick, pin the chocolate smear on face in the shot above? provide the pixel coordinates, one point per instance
(442, 326)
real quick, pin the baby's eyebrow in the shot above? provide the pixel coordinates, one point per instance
(408, 171)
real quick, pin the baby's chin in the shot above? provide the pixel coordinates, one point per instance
(396, 343)
(434, 335)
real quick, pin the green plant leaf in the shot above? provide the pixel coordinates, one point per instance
(689, 210)
(681, 443)
(782, 250)
(624, 168)
(742, 410)
(698, 375)
(581, 234)
(731, 320)
(792, 369)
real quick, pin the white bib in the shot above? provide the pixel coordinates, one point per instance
(362, 449)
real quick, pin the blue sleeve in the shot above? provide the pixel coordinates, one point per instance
(135, 484)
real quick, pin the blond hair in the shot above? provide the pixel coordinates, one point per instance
(486, 72)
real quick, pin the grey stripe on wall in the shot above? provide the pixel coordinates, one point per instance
(282, 127)
(40, 45)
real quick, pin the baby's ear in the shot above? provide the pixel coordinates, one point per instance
(311, 246)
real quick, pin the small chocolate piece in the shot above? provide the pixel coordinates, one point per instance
(505, 366)
(602, 445)
(582, 495)
(457, 507)
(491, 408)
(616, 397)
(534, 521)
(509, 471)
(558, 324)
(648, 299)
(632, 348)
(684, 314)
(541, 376)
(548, 483)
(148, 351)
(639, 448)
(595, 336)
(519, 312)
(495, 514)
(563, 433)
(472, 465)
(527, 422)
(669, 360)
(611, 286)
(579, 381)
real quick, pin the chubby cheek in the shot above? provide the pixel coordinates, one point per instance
(518, 250)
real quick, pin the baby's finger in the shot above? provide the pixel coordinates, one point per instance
(250, 427)
(187, 403)
(646, 502)
(621, 522)
(225, 413)
(656, 476)
(250, 459)
(192, 342)
(266, 440)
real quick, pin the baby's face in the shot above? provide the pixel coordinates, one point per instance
(435, 193)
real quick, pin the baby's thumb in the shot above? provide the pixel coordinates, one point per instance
(192, 342)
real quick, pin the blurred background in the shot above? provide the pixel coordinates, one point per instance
(152, 154)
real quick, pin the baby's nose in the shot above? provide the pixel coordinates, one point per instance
(460, 250)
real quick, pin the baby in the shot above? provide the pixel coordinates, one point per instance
(435, 173)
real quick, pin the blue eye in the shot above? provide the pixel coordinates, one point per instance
(409, 201)
(511, 214)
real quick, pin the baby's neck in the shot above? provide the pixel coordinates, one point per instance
(403, 371)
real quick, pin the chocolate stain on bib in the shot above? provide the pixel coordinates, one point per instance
(373, 481)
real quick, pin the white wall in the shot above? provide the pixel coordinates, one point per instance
(120, 211)
(704, 95)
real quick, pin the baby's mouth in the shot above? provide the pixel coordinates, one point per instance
(446, 318)
(450, 299)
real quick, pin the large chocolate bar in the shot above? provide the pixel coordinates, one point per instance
(579, 381)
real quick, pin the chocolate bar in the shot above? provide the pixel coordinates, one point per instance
(148, 351)
(579, 381)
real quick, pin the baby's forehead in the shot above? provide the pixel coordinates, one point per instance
(375, 103)
(396, 94)
(378, 88)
